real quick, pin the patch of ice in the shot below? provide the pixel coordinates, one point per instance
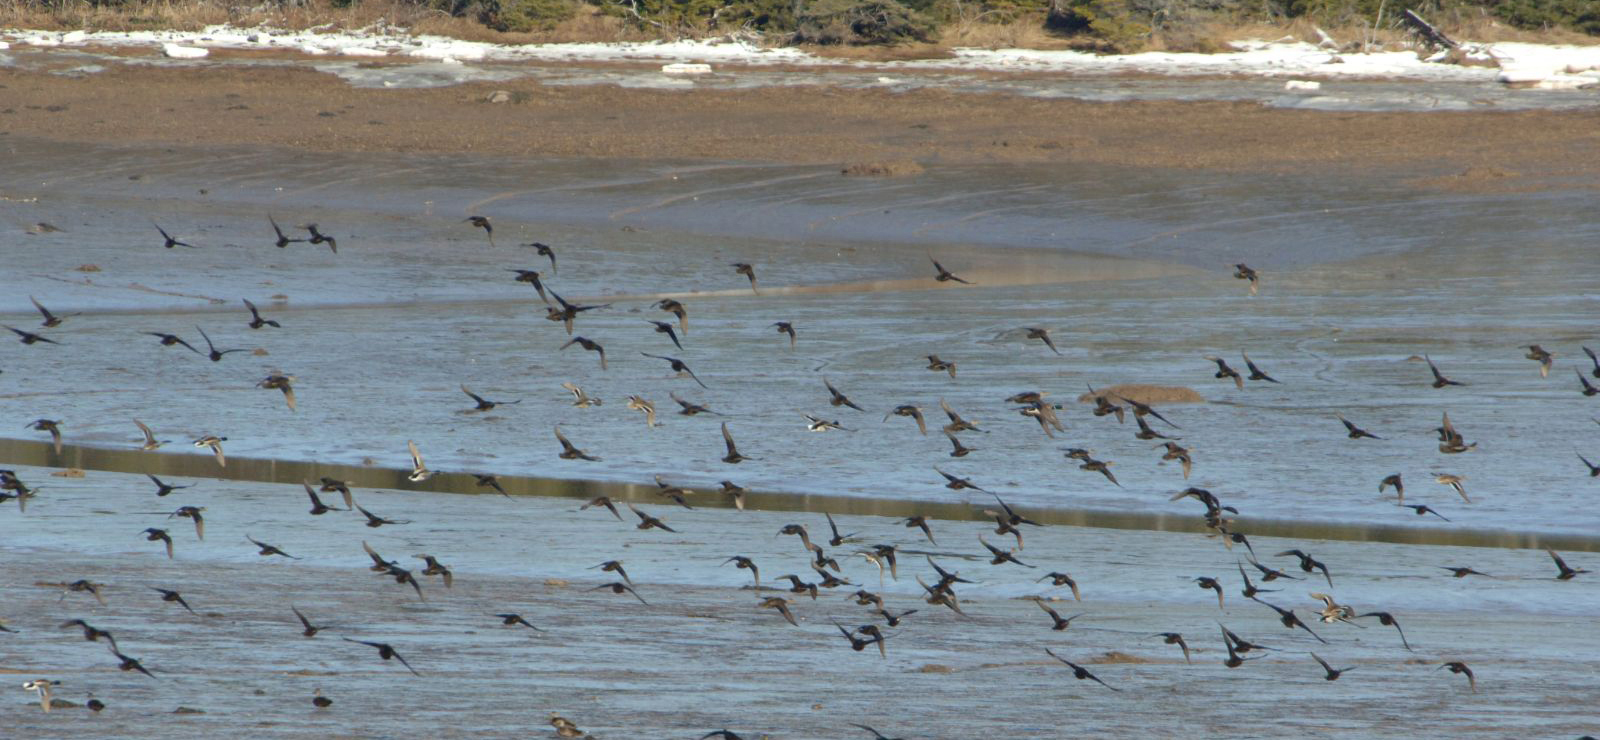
(686, 68)
(174, 51)
(1302, 85)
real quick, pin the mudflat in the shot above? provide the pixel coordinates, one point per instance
(310, 110)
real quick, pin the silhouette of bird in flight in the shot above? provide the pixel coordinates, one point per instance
(168, 241)
(1587, 388)
(618, 587)
(1289, 620)
(919, 522)
(1333, 673)
(678, 366)
(960, 450)
(663, 327)
(215, 354)
(1173, 638)
(1567, 573)
(150, 441)
(129, 664)
(387, 652)
(50, 320)
(173, 597)
(28, 337)
(602, 501)
(531, 277)
(482, 222)
(838, 399)
(545, 250)
(1594, 470)
(256, 322)
(567, 312)
(676, 309)
(1211, 583)
(568, 452)
(1001, 556)
(1386, 619)
(163, 489)
(785, 327)
(280, 382)
(1043, 335)
(687, 408)
(1062, 579)
(512, 620)
(1451, 441)
(1235, 647)
(1457, 667)
(168, 340)
(1393, 480)
(1060, 623)
(940, 366)
(153, 534)
(484, 404)
(317, 237)
(1439, 380)
(733, 457)
(1179, 453)
(282, 241)
(268, 550)
(1081, 673)
(1255, 372)
(1544, 358)
(741, 268)
(910, 411)
(1224, 371)
(1144, 409)
(647, 521)
(193, 513)
(51, 426)
(1309, 564)
(1423, 509)
(782, 605)
(310, 630)
(1463, 572)
(1353, 431)
(590, 345)
(1453, 481)
(945, 276)
(955, 483)
(1243, 272)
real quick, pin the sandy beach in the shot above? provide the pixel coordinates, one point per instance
(311, 111)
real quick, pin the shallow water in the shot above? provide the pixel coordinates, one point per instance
(1130, 273)
(702, 656)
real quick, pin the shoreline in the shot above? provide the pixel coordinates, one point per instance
(303, 109)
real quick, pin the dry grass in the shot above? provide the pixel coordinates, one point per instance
(591, 24)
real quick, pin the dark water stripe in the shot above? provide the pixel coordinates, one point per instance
(41, 453)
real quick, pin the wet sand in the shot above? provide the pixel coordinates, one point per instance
(309, 110)
(702, 655)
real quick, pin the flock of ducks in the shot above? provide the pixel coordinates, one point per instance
(823, 571)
